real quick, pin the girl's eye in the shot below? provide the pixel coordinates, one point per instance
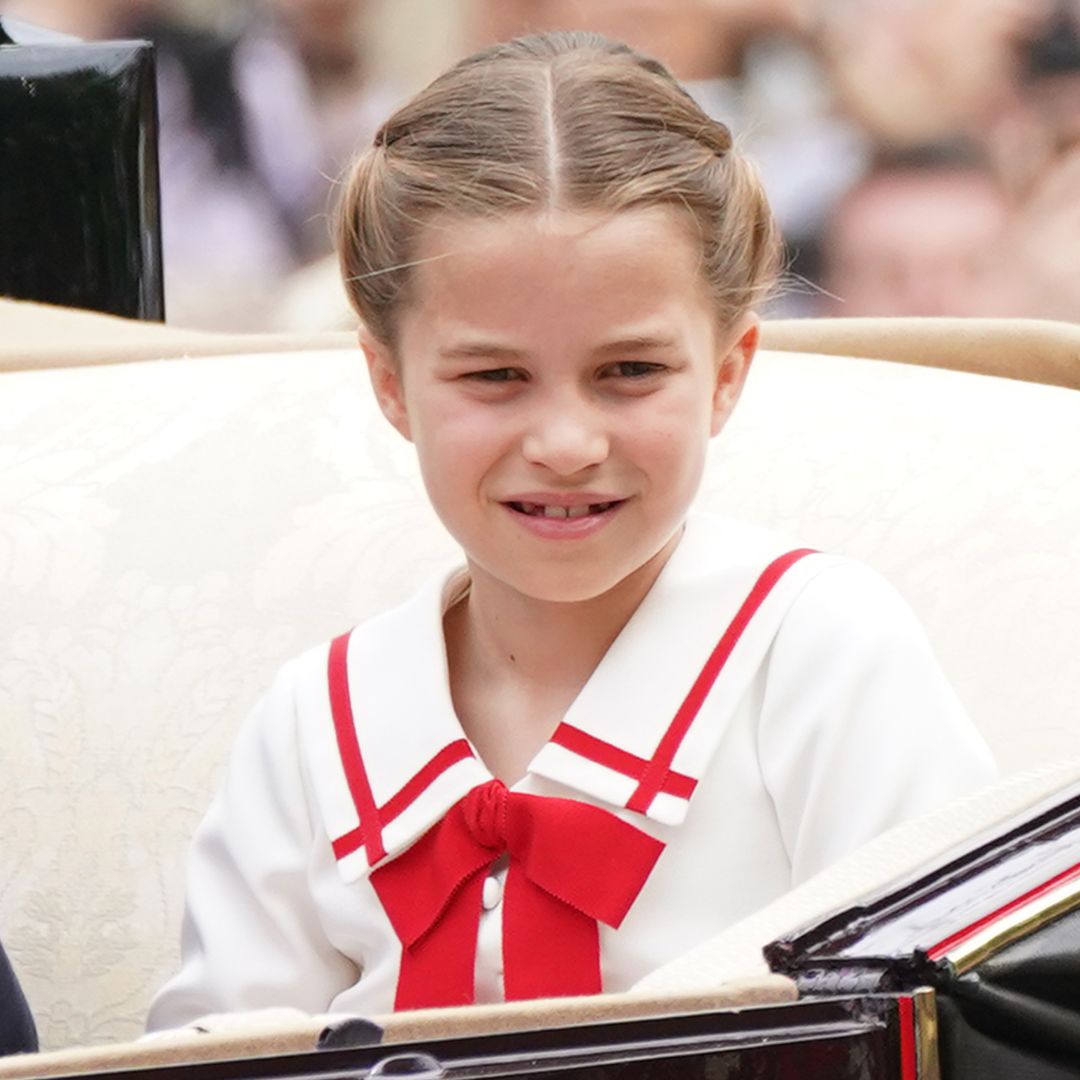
(635, 369)
(495, 375)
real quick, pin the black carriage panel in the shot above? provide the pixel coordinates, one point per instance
(79, 199)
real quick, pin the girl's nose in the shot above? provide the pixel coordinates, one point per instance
(566, 438)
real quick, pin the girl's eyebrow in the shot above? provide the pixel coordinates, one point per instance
(480, 350)
(491, 350)
(639, 343)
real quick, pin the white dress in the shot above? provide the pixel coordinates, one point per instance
(762, 713)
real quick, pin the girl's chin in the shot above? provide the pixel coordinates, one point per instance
(557, 586)
(569, 585)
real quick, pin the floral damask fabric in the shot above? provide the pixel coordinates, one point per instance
(171, 531)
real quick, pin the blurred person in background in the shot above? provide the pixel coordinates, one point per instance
(1052, 80)
(920, 234)
(258, 114)
(923, 71)
(1039, 152)
(994, 229)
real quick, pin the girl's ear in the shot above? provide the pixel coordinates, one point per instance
(386, 382)
(734, 356)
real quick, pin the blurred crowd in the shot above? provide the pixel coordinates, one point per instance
(923, 156)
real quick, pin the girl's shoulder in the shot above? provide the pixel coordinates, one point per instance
(724, 565)
(718, 549)
(776, 598)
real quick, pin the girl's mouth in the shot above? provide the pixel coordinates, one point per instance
(547, 510)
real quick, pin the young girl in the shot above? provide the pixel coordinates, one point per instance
(614, 730)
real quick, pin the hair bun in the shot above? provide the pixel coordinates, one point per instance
(717, 136)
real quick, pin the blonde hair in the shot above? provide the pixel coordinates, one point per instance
(568, 121)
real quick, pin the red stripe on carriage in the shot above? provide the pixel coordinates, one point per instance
(443, 760)
(659, 768)
(909, 1056)
(349, 749)
(944, 947)
(622, 761)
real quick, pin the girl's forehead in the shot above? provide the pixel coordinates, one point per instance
(555, 281)
(519, 259)
(586, 230)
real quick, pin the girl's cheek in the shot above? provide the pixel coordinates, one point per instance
(467, 434)
(469, 423)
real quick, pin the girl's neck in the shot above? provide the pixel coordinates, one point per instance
(540, 643)
(517, 663)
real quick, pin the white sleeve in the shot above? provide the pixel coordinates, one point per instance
(252, 937)
(859, 728)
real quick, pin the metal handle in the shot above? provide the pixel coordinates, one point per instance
(416, 1066)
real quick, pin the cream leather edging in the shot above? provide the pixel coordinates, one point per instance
(289, 1032)
(1035, 350)
(35, 336)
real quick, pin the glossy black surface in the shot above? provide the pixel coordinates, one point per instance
(881, 943)
(968, 1053)
(79, 206)
(825, 1040)
(1025, 997)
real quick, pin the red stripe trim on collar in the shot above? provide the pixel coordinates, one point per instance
(349, 748)
(658, 770)
(443, 760)
(618, 760)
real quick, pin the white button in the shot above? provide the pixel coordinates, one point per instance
(492, 893)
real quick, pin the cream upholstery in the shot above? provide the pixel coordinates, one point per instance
(171, 531)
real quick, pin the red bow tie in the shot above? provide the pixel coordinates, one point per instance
(572, 865)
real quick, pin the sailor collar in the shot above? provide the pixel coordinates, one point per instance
(390, 757)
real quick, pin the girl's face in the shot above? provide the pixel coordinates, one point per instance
(560, 375)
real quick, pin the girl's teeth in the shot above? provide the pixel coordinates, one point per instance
(540, 510)
(566, 511)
